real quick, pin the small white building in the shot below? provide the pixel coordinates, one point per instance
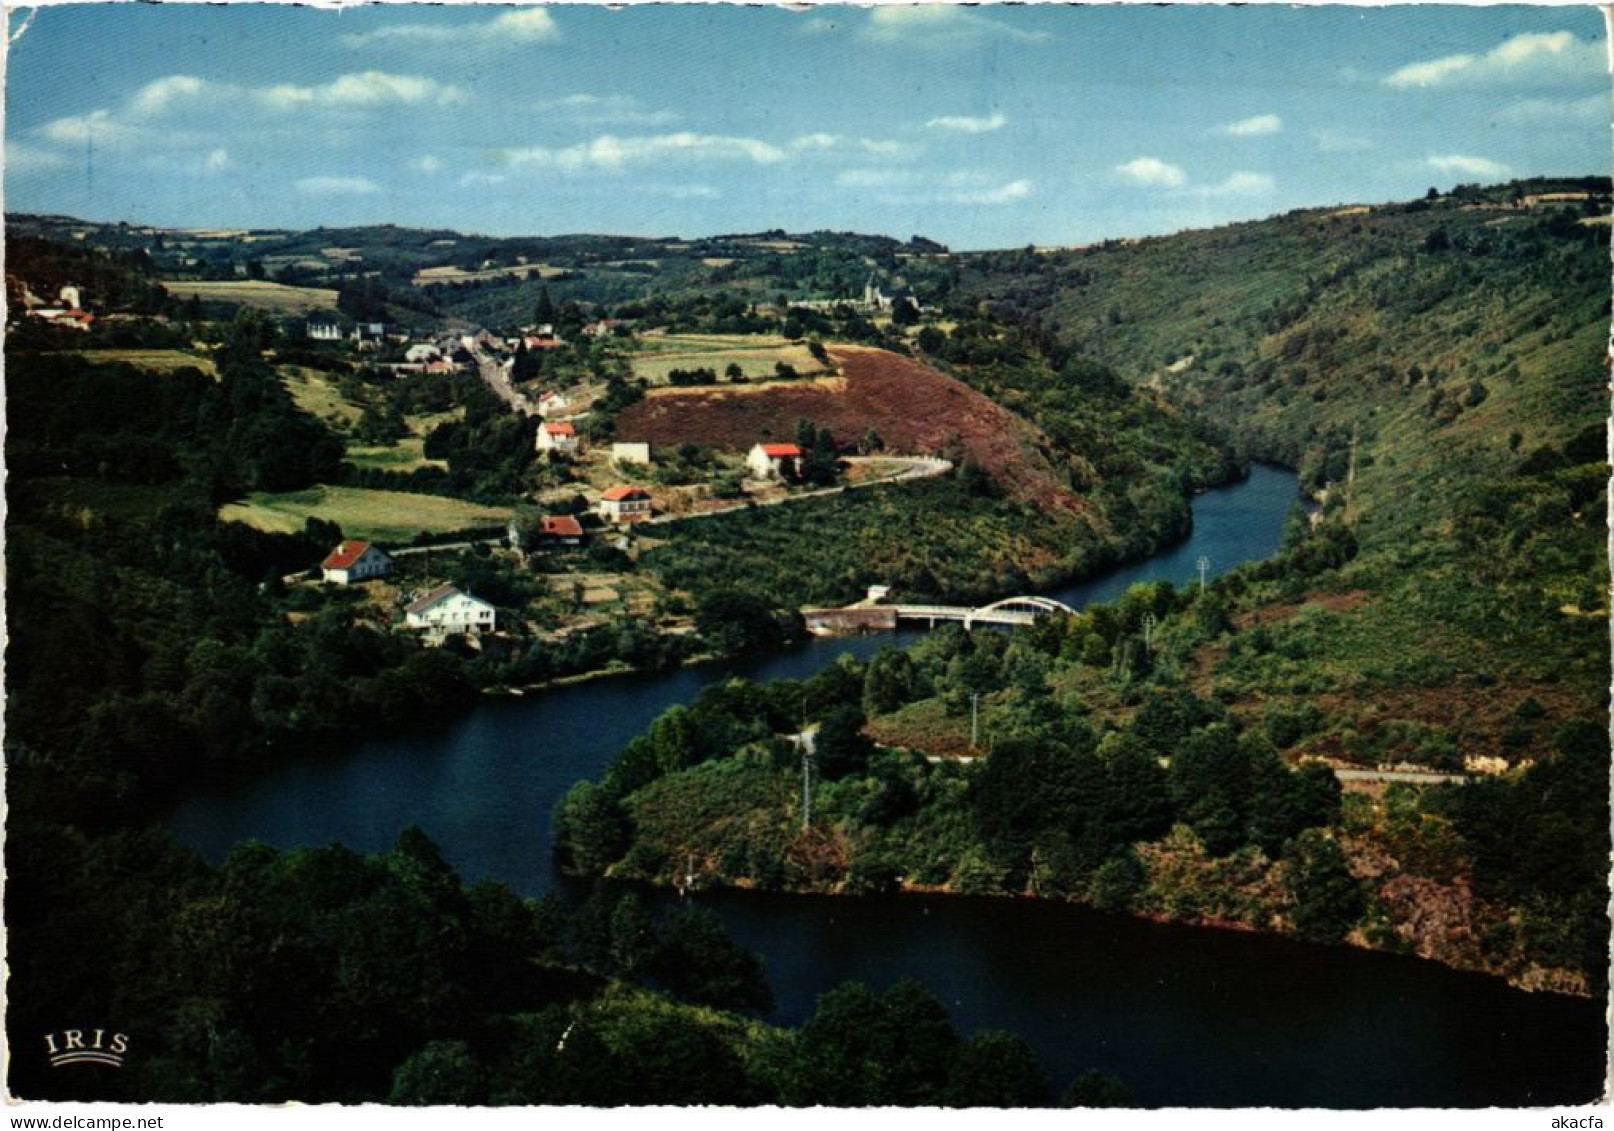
(550, 402)
(446, 611)
(355, 560)
(772, 461)
(560, 438)
(423, 352)
(324, 332)
(626, 452)
(625, 504)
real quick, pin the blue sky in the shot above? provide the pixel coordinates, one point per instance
(981, 126)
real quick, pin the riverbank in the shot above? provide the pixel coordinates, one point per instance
(1088, 989)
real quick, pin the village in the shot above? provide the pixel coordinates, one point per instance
(599, 492)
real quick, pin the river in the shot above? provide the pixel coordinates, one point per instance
(1184, 1016)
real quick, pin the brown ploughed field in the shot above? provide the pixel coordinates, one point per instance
(915, 410)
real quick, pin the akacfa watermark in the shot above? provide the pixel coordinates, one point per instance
(71, 1046)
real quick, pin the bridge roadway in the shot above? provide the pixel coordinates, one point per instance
(1012, 610)
(934, 613)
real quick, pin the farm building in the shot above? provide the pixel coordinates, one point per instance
(355, 560)
(445, 610)
(530, 533)
(560, 438)
(630, 453)
(625, 504)
(772, 461)
(561, 530)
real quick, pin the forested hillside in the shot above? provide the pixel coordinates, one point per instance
(1437, 372)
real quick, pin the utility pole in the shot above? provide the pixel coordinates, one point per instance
(1350, 474)
(1204, 564)
(975, 719)
(806, 782)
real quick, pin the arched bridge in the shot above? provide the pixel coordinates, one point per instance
(1010, 610)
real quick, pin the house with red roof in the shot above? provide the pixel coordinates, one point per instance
(355, 560)
(624, 504)
(773, 461)
(561, 530)
(558, 437)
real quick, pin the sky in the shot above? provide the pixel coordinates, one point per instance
(977, 126)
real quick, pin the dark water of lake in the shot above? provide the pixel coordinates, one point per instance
(1183, 1016)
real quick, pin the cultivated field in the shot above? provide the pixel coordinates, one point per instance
(277, 298)
(914, 409)
(156, 361)
(430, 276)
(385, 516)
(756, 354)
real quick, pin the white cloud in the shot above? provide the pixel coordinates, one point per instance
(968, 125)
(519, 26)
(215, 162)
(427, 163)
(818, 25)
(1003, 194)
(819, 141)
(1548, 112)
(940, 26)
(1238, 184)
(887, 148)
(525, 25)
(366, 88)
(608, 152)
(98, 126)
(155, 97)
(607, 109)
(472, 180)
(337, 186)
(21, 158)
(1259, 126)
(876, 178)
(681, 192)
(1454, 163)
(1152, 171)
(1529, 56)
(1340, 141)
(910, 186)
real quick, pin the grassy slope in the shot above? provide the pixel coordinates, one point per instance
(1309, 327)
(385, 515)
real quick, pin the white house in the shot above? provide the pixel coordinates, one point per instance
(627, 452)
(445, 610)
(625, 504)
(423, 352)
(768, 461)
(560, 438)
(549, 401)
(355, 560)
